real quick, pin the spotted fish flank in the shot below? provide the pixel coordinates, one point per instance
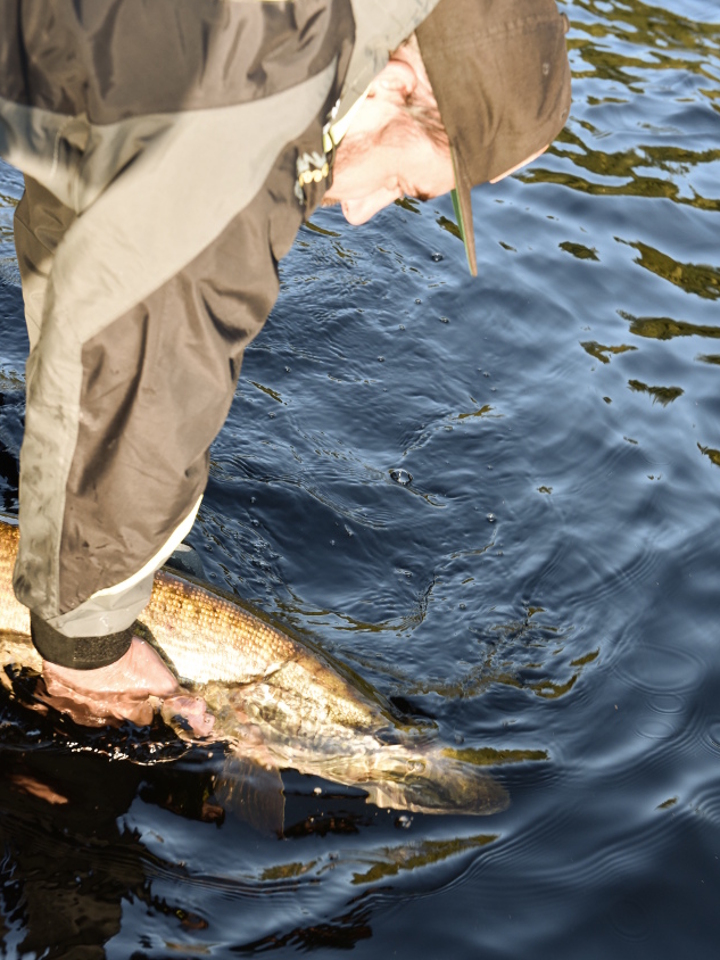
(277, 701)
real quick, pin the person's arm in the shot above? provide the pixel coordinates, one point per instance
(160, 267)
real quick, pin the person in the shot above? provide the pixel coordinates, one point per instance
(170, 154)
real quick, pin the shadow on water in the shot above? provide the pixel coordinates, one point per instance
(73, 858)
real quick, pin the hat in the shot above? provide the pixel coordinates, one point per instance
(500, 74)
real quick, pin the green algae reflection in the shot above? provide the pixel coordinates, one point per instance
(712, 455)
(413, 856)
(665, 328)
(662, 395)
(698, 279)
(490, 757)
(599, 351)
(646, 26)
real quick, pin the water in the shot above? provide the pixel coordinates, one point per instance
(497, 500)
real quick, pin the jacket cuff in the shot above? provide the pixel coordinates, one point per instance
(78, 653)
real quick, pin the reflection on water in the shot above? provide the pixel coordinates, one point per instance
(74, 859)
(663, 395)
(600, 352)
(497, 500)
(701, 280)
(663, 328)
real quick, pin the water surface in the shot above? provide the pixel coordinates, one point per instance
(495, 499)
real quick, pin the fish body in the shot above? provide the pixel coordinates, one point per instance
(278, 702)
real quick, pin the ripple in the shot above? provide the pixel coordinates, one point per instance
(714, 733)
(657, 669)
(608, 576)
(630, 920)
(705, 802)
(710, 736)
(667, 703)
(623, 568)
(656, 729)
(9, 272)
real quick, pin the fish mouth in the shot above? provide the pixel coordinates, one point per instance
(444, 787)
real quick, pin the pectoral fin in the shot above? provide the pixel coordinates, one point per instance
(253, 793)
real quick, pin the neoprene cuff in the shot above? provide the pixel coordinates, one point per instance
(78, 653)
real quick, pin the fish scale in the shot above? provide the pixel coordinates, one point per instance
(278, 702)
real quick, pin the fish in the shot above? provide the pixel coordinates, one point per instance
(280, 702)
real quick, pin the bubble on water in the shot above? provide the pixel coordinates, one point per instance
(437, 257)
(491, 518)
(401, 476)
(403, 821)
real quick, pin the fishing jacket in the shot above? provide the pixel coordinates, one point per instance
(171, 149)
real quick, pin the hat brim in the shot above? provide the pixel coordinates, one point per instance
(462, 204)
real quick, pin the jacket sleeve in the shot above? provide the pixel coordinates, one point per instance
(148, 242)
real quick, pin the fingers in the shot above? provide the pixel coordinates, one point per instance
(193, 710)
(97, 710)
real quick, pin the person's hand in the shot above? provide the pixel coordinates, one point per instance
(121, 691)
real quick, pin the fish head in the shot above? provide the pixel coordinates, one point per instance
(439, 786)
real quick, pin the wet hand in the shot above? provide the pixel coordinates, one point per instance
(121, 691)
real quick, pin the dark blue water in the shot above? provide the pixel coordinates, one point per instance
(495, 499)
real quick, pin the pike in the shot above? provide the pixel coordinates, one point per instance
(278, 702)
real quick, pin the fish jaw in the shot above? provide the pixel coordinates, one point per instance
(439, 786)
